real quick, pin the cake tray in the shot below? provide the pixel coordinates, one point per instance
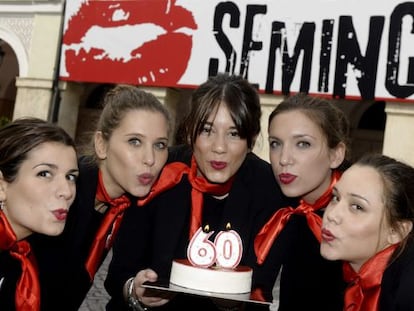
(165, 286)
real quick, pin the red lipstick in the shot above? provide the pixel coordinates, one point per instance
(218, 165)
(60, 214)
(286, 178)
(143, 63)
(146, 179)
(327, 235)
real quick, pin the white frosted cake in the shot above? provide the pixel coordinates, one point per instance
(213, 266)
(212, 279)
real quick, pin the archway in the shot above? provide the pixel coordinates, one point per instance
(9, 70)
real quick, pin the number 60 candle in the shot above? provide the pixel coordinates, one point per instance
(225, 252)
(201, 251)
(229, 248)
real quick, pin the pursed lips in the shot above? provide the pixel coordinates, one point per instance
(218, 165)
(60, 214)
(327, 235)
(286, 178)
(146, 178)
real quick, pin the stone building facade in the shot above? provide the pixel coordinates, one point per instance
(30, 40)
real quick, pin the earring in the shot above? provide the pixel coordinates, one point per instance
(1, 205)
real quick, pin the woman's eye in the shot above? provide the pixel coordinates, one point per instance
(134, 142)
(161, 145)
(206, 130)
(72, 177)
(334, 198)
(44, 174)
(303, 144)
(234, 134)
(274, 144)
(357, 207)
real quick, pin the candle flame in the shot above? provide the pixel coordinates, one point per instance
(228, 226)
(206, 228)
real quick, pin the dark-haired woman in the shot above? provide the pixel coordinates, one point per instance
(369, 226)
(38, 173)
(237, 188)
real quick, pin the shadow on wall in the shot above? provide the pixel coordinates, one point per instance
(88, 116)
(369, 135)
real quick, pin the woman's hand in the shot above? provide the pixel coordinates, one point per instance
(149, 297)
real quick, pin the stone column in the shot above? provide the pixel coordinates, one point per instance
(32, 98)
(70, 99)
(399, 131)
(268, 102)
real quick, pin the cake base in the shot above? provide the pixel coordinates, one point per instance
(216, 280)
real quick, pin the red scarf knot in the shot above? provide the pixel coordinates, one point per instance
(172, 174)
(108, 229)
(270, 231)
(304, 208)
(27, 295)
(363, 291)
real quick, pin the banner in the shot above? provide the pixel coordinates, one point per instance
(349, 49)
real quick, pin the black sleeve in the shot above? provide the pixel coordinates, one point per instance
(130, 253)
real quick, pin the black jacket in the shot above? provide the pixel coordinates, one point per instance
(307, 280)
(10, 272)
(254, 196)
(398, 283)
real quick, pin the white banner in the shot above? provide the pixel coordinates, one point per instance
(337, 48)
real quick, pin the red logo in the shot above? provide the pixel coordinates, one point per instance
(137, 42)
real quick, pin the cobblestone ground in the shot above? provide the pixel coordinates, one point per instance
(97, 296)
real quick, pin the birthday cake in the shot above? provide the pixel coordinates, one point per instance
(213, 267)
(211, 279)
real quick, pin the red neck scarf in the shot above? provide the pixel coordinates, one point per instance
(28, 289)
(364, 287)
(172, 174)
(108, 229)
(201, 185)
(269, 232)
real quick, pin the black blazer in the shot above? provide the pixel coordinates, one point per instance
(254, 196)
(398, 283)
(10, 273)
(307, 280)
(63, 278)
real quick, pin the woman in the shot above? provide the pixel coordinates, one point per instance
(308, 140)
(368, 224)
(239, 188)
(130, 147)
(38, 172)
